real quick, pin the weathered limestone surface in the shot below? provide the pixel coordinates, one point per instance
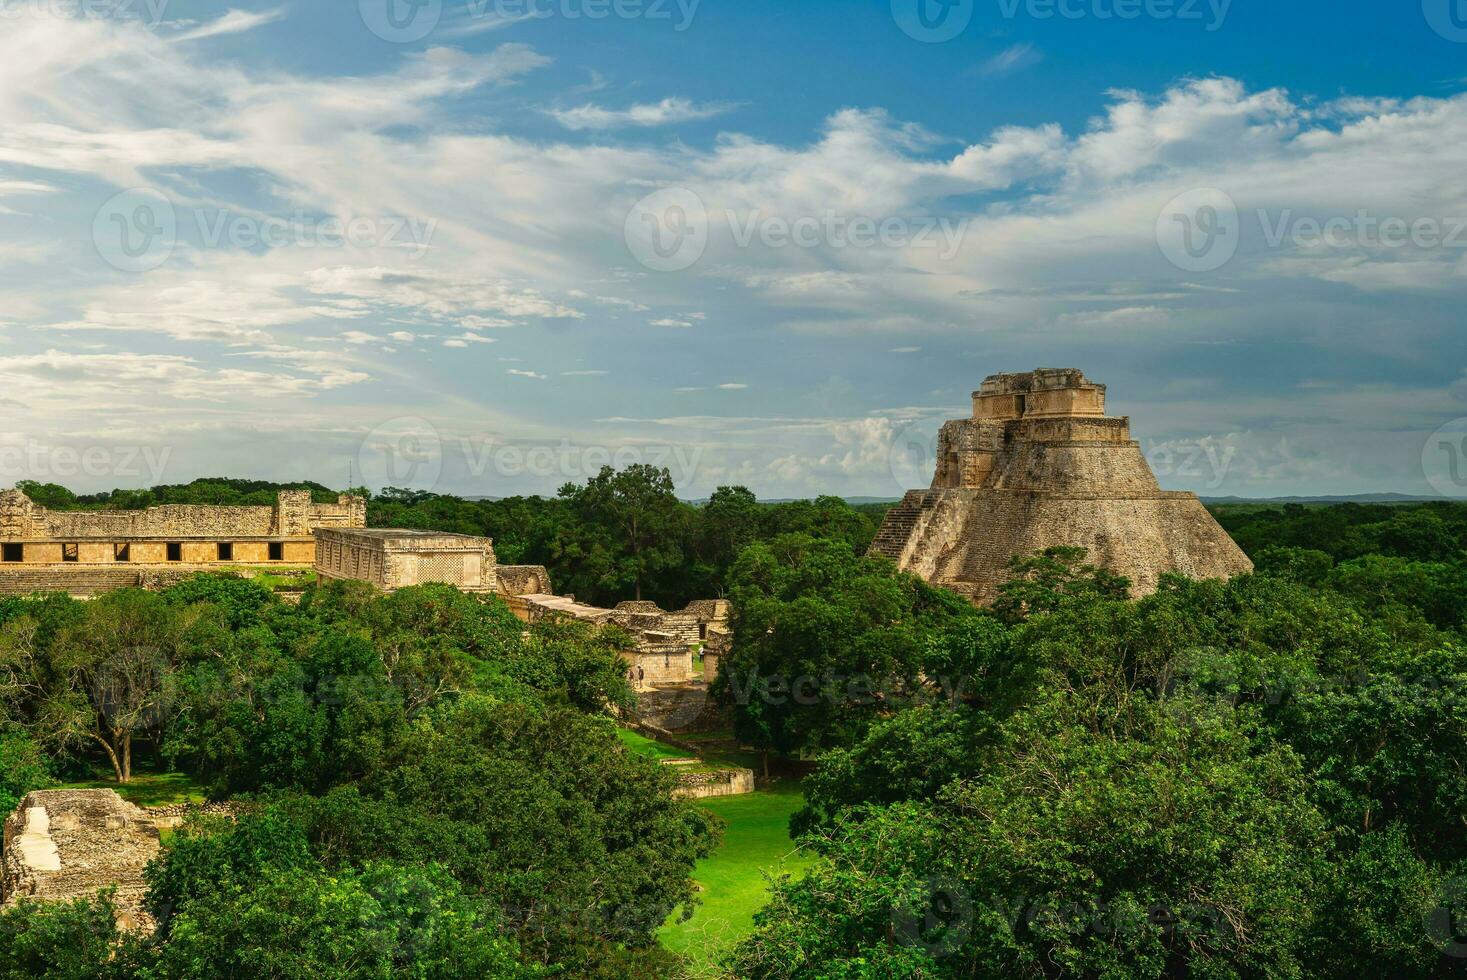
(85, 553)
(294, 516)
(704, 785)
(396, 559)
(1039, 465)
(65, 844)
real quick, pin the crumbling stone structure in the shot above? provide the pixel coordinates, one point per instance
(395, 559)
(665, 641)
(392, 558)
(86, 552)
(1039, 465)
(61, 845)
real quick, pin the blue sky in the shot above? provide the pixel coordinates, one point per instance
(458, 247)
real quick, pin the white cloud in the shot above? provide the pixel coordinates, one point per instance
(665, 113)
(1012, 59)
(232, 22)
(527, 232)
(525, 374)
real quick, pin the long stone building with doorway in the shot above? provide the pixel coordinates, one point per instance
(1040, 465)
(85, 552)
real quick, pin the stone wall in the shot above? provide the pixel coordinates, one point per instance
(65, 844)
(705, 785)
(398, 559)
(524, 580)
(294, 515)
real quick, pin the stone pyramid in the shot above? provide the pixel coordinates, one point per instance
(1039, 465)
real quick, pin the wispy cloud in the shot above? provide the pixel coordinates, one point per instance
(665, 113)
(233, 22)
(1012, 59)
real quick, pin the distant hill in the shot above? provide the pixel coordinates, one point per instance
(1354, 498)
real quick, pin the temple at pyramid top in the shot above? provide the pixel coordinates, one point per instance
(1039, 464)
(1046, 392)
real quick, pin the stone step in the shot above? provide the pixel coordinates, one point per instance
(76, 581)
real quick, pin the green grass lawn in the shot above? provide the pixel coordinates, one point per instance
(639, 744)
(149, 788)
(732, 880)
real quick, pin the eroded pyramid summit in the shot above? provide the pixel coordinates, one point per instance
(1040, 465)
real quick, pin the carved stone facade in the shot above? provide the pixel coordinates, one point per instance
(1040, 465)
(85, 552)
(396, 559)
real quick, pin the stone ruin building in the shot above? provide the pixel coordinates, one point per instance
(61, 845)
(1040, 465)
(394, 559)
(89, 552)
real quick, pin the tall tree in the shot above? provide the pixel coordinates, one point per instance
(640, 507)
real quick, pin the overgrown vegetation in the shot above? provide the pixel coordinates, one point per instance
(620, 535)
(434, 789)
(1255, 778)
